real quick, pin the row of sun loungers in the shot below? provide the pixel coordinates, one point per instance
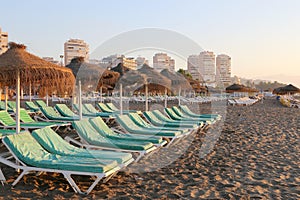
(244, 101)
(96, 150)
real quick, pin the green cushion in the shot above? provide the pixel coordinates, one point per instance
(90, 135)
(53, 143)
(32, 106)
(65, 111)
(131, 127)
(103, 129)
(33, 154)
(51, 114)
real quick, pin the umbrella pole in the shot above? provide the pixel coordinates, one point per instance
(121, 99)
(80, 100)
(146, 94)
(6, 97)
(0, 94)
(18, 104)
(179, 93)
(166, 97)
(29, 91)
(101, 94)
(47, 98)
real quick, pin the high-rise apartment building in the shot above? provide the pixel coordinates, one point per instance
(163, 61)
(208, 66)
(223, 64)
(3, 41)
(114, 60)
(76, 48)
(140, 61)
(193, 66)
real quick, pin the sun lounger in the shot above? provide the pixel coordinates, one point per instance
(173, 116)
(115, 109)
(40, 103)
(8, 122)
(53, 143)
(206, 120)
(128, 125)
(162, 117)
(138, 120)
(65, 111)
(32, 106)
(5, 132)
(104, 130)
(90, 138)
(2, 107)
(26, 118)
(188, 112)
(51, 115)
(30, 156)
(92, 109)
(153, 119)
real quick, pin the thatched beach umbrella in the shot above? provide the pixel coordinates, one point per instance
(289, 89)
(91, 74)
(18, 66)
(135, 80)
(239, 88)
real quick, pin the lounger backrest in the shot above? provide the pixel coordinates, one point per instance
(12, 104)
(151, 117)
(31, 106)
(90, 108)
(160, 116)
(6, 119)
(138, 120)
(100, 126)
(52, 142)
(172, 114)
(49, 112)
(41, 103)
(186, 109)
(177, 111)
(87, 131)
(126, 122)
(26, 148)
(2, 106)
(25, 117)
(104, 108)
(84, 111)
(112, 106)
(65, 110)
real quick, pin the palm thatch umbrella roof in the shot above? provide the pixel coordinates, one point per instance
(135, 79)
(239, 88)
(177, 80)
(289, 89)
(93, 74)
(33, 70)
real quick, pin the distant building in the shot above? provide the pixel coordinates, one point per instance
(140, 61)
(223, 73)
(51, 59)
(203, 67)
(163, 61)
(193, 66)
(3, 41)
(76, 48)
(114, 60)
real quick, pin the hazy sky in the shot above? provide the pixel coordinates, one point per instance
(261, 36)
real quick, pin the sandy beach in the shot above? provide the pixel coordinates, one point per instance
(252, 154)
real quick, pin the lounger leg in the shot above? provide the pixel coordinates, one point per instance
(170, 142)
(72, 183)
(20, 177)
(76, 188)
(140, 156)
(109, 177)
(2, 177)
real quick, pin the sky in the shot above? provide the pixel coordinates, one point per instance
(261, 36)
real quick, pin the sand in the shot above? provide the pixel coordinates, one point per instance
(252, 154)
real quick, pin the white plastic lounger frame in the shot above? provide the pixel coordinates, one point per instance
(19, 165)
